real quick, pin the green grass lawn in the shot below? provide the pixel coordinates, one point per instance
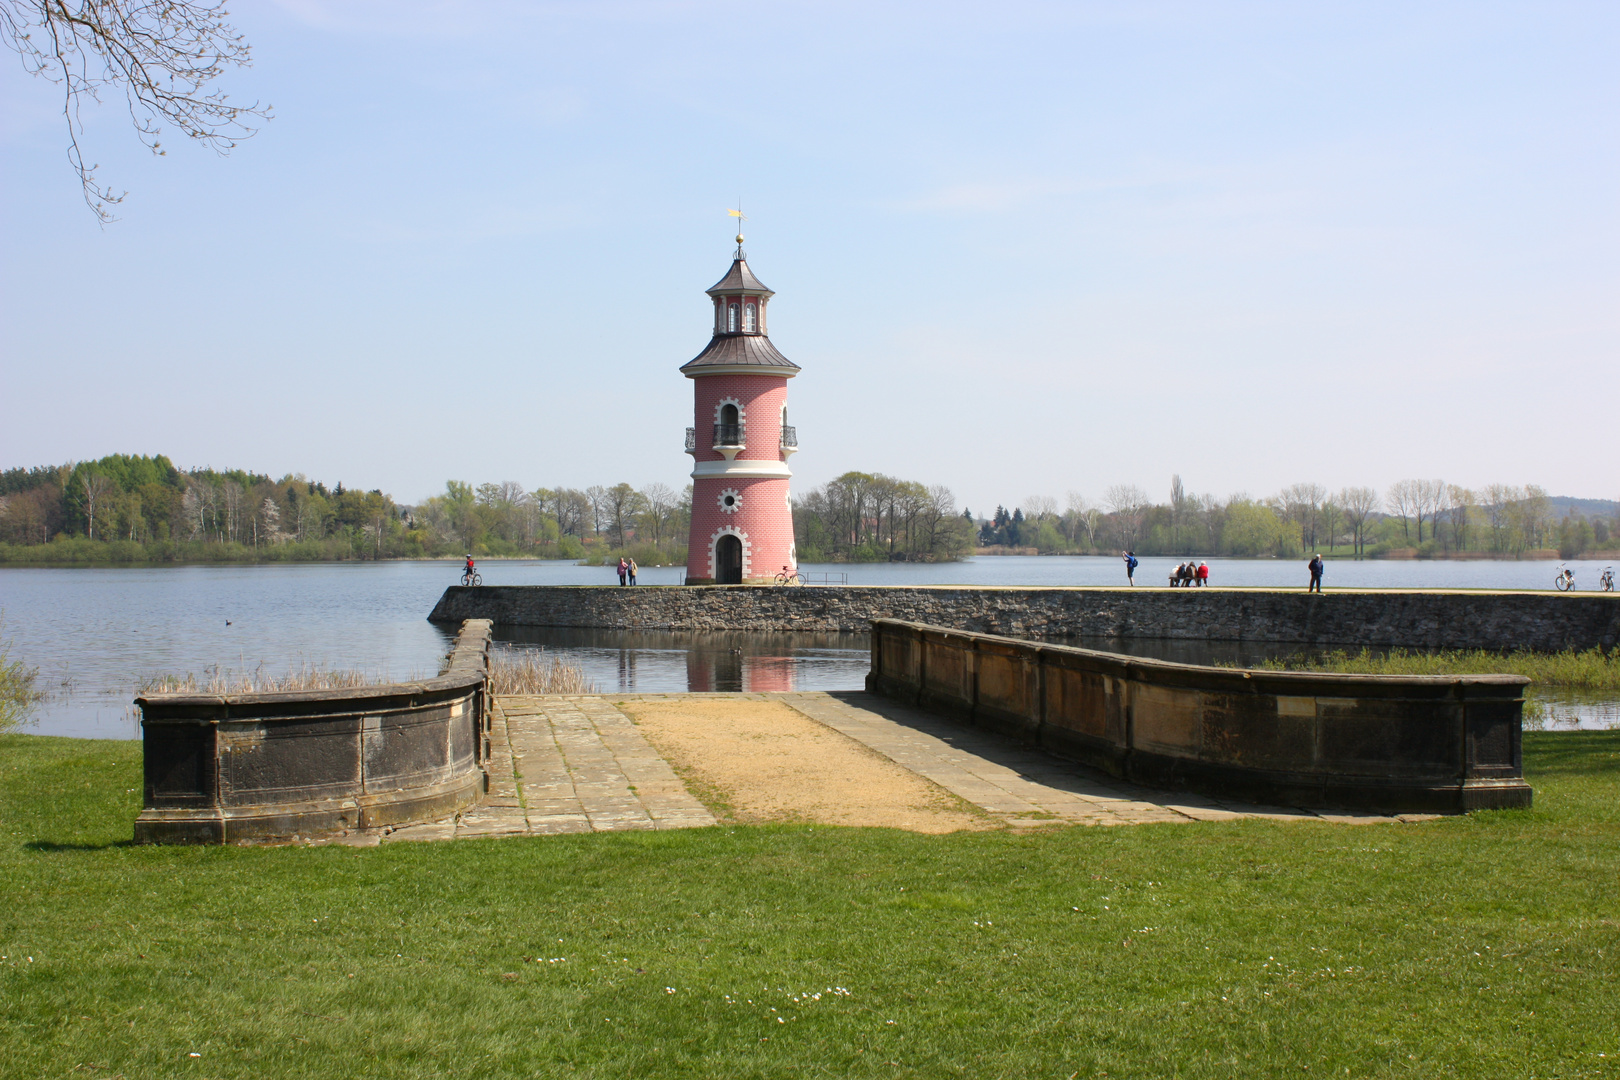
(1592, 669)
(1481, 946)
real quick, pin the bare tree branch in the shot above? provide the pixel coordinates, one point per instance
(161, 55)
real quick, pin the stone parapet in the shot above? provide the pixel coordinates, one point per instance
(221, 768)
(1416, 620)
(1393, 744)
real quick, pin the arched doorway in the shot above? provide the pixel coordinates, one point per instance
(728, 568)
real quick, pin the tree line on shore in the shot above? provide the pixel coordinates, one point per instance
(1411, 518)
(857, 517)
(126, 508)
(595, 524)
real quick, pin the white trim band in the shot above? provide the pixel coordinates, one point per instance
(750, 470)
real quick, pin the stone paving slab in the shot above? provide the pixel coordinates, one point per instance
(1003, 778)
(568, 765)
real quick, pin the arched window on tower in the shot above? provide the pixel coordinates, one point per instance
(728, 432)
(731, 319)
(748, 318)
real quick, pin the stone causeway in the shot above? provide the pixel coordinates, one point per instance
(575, 764)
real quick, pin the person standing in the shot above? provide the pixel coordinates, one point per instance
(624, 569)
(632, 571)
(1130, 567)
(1316, 566)
(1203, 574)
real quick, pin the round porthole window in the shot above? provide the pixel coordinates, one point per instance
(730, 500)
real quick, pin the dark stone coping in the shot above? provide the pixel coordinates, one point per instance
(221, 768)
(1390, 743)
(1497, 621)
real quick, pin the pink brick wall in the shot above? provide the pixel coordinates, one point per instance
(759, 398)
(762, 518)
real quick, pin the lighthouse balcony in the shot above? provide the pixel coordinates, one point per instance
(790, 441)
(729, 440)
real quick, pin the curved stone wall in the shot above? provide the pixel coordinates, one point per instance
(1413, 620)
(1370, 742)
(262, 766)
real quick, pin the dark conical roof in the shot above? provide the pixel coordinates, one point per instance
(740, 279)
(741, 350)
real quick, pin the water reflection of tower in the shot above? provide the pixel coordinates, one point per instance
(722, 664)
(763, 674)
(627, 669)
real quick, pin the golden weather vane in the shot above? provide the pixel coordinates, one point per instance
(741, 217)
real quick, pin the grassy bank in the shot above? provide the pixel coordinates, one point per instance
(77, 551)
(1589, 670)
(643, 554)
(1476, 946)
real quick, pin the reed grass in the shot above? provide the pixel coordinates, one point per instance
(19, 689)
(534, 671)
(512, 671)
(258, 681)
(1573, 669)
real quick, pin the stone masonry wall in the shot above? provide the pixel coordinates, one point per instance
(1458, 620)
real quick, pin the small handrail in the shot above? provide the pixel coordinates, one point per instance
(691, 439)
(728, 434)
(790, 436)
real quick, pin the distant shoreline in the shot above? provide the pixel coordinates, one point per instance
(1028, 553)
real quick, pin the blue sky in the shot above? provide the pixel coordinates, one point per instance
(1023, 248)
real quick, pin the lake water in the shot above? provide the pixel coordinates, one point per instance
(92, 633)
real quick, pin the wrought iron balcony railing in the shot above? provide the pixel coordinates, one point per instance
(790, 436)
(728, 434)
(691, 439)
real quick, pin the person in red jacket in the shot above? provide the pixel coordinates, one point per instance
(1203, 574)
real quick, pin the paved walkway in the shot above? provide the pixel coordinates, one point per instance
(578, 764)
(568, 764)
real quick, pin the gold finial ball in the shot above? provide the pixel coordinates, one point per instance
(739, 238)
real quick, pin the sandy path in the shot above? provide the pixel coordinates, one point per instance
(759, 761)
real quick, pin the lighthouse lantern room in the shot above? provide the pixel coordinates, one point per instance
(740, 441)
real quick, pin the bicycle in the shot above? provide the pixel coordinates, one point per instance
(1565, 580)
(471, 578)
(788, 577)
(1606, 581)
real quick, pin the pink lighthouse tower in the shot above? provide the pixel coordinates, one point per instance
(740, 441)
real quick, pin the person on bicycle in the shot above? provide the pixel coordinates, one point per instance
(468, 572)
